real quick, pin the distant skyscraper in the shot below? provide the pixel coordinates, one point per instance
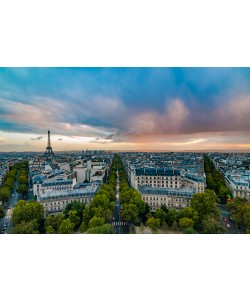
(49, 150)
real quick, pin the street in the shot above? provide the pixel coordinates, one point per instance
(8, 211)
(225, 214)
(119, 225)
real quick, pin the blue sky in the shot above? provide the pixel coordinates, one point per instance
(125, 108)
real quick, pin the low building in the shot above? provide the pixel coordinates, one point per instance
(172, 198)
(55, 201)
(155, 177)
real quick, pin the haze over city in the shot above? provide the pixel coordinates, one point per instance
(158, 109)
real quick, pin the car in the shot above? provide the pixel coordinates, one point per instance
(228, 225)
(9, 207)
(225, 219)
(12, 195)
(4, 227)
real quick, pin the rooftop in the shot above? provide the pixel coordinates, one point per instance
(185, 192)
(58, 194)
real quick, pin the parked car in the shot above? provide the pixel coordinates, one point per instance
(228, 225)
(225, 219)
(4, 227)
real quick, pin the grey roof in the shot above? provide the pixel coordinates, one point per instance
(187, 192)
(195, 178)
(57, 182)
(62, 194)
(157, 172)
(39, 179)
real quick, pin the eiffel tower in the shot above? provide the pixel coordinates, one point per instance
(49, 150)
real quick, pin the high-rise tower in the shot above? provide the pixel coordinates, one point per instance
(49, 150)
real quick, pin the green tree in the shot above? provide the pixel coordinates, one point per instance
(153, 223)
(171, 217)
(160, 214)
(4, 194)
(189, 230)
(223, 194)
(22, 189)
(30, 227)
(66, 227)
(83, 227)
(130, 213)
(22, 179)
(54, 221)
(164, 226)
(104, 229)
(210, 225)
(50, 229)
(74, 218)
(78, 206)
(185, 223)
(27, 211)
(96, 221)
(175, 225)
(2, 212)
(246, 220)
(205, 204)
(192, 214)
(87, 214)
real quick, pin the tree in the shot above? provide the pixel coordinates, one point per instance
(22, 189)
(66, 227)
(30, 227)
(78, 206)
(2, 212)
(174, 225)
(4, 194)
(87, 214)
(50, 230)
(130, 213)
(185, 223)
(189, 230)
(96, 221)
(164, 225)
(223, 194)
(210, 225)
(74, 218)
(54, 221)
(247, 217)
(192, 214)
(104, 229)
(171, 217)
(22, 179)
(205, 204)
(153, 223)
(27, 211)
(83, 227)
(161, 214)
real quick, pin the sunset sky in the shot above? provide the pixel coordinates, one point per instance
(125, 108)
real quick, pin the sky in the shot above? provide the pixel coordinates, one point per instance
(158, 109)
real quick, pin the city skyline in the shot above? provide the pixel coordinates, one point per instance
(150, 109)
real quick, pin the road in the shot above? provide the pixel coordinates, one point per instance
(8, 212)
(119, 225)
(225, 214)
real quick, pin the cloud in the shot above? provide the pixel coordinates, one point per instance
(170, 121)
(116, 105)
(37, 138)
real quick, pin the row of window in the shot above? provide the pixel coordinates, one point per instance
(159, 178)
(85, 200)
